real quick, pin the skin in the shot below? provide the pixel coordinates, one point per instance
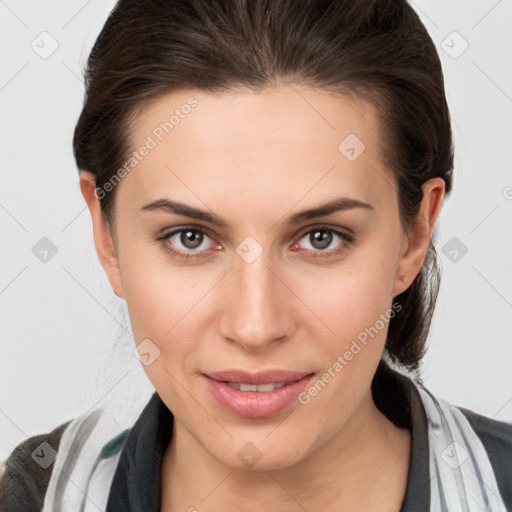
(255, 159)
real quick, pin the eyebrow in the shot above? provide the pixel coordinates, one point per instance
(340, 204)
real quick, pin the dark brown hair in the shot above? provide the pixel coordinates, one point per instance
(376, 49)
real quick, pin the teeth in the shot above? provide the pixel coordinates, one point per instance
(256, 387)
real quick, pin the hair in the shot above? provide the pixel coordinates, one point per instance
(377, 50)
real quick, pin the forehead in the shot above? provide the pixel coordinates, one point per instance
(287, 139)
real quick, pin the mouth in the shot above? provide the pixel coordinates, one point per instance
(256, 395)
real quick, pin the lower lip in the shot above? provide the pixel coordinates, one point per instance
(256, 404)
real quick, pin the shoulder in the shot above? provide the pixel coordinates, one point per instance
(494, 430)
(496, 437)
(25, 475)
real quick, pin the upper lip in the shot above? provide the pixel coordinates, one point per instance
(260, 377)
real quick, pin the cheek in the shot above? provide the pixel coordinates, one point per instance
(160, 296)
(160, 304)
(350, 296)
(351, 306)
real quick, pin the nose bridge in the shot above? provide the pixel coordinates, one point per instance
(258, 311)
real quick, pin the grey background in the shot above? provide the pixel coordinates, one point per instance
(65, 339)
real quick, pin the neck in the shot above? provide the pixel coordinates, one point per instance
(363, 467)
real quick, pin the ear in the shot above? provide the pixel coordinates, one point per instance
(103, 239)
(419, 234)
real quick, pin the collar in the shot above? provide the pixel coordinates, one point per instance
(137, 480)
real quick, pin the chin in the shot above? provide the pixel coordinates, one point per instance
(262, 456)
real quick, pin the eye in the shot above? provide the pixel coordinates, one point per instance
(185, 240)
(321, 238)
(191, 242)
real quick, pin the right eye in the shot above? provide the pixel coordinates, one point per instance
(191, 239)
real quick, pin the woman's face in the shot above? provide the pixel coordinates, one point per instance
(251, 284)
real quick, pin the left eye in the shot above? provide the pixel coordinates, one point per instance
(319, 239)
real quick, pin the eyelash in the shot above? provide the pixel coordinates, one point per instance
(348, 239)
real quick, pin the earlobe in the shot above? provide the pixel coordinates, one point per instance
(419, 235)
(103, 239)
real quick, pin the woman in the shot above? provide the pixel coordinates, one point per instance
(263, 179)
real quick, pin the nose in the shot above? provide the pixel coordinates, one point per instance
(259, 310)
